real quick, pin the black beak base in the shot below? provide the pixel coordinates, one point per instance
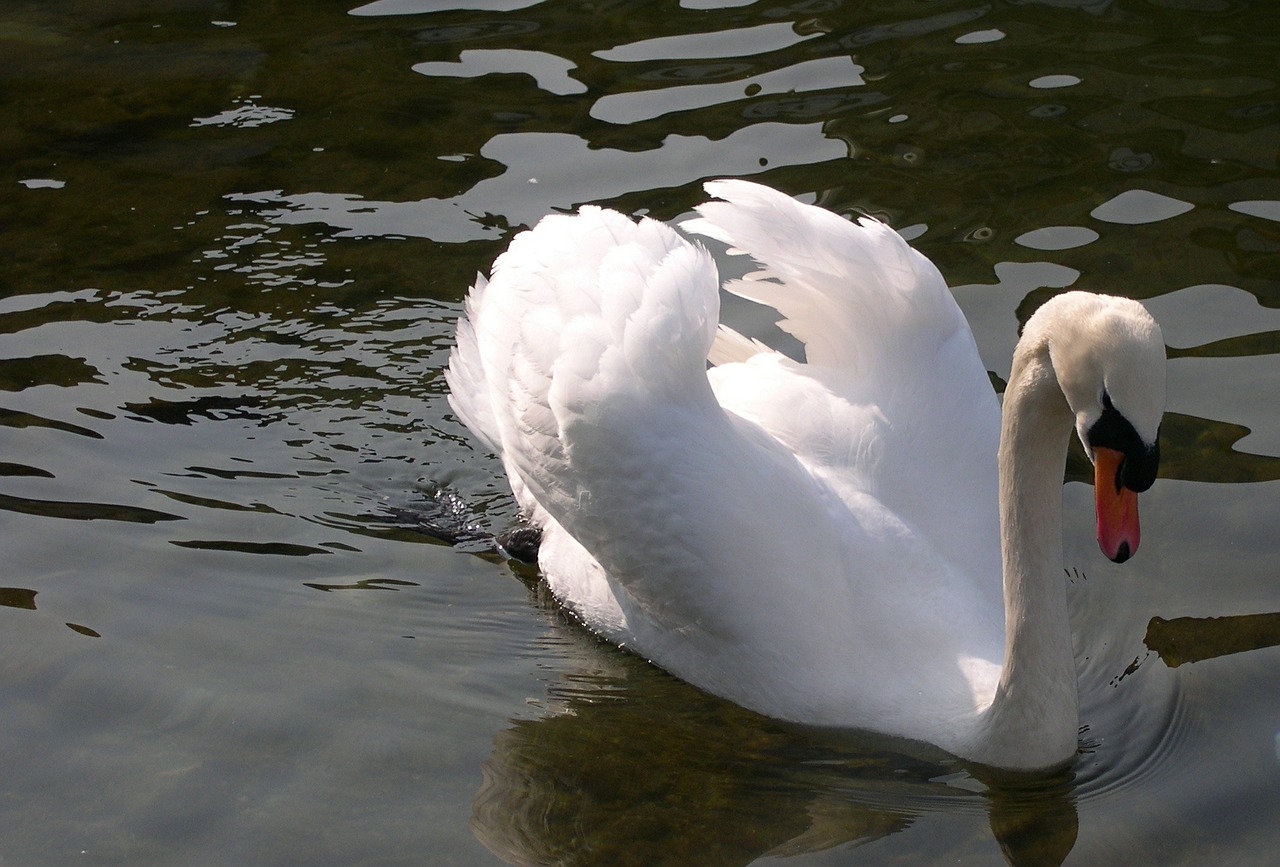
(1112, 430)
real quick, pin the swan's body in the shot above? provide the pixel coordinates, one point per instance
(820, 541)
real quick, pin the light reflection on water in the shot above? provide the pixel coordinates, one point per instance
(546, 172)
(236, 242)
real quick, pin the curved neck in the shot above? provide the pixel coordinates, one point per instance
(1033, 721)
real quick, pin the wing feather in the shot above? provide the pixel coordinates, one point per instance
(591, 338)
(855, 293)
(894, 400)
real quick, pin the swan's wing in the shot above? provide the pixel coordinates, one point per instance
(584, 360)
(855, 293)
(730, 346)
(468, 388)
(741, 536)
(898, 402)
(580, 312)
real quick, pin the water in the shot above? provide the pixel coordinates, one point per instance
(236, 236)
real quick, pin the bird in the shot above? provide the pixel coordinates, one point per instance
(866, 538)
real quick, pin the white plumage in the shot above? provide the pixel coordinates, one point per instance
(818, 541)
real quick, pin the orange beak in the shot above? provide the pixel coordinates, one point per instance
(1117, 507)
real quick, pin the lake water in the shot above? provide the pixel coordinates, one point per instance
(235, 241)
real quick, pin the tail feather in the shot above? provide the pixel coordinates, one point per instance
(468, 386)
(579, 312)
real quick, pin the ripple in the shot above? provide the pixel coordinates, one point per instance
(214, 503)
(549, 71)
(1267, 209)
(1126, 160)
(808, 75)
(820, 105)
(1196, 388)
(1182, 640)
(246, 115)
(78, 511)
(1136, 207)
(985, 64)
(696, 72)
(187, 412)
(18, 597)
(233, 474)
(1173, 731)
(552, 171)
(18, 419)
(910, 28)
(1048, 111)
(19, 374)
(285, 549)
(1051, 82)
(393, 584)
(475, 31)
(740, 42)
(979, 37)
(706, 5)
(420, 7)
(1257, 109)
(11, 469)
(1057, 238)
(1184, 62)
(1195, 316)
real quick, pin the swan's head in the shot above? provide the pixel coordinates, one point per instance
(1109, 357)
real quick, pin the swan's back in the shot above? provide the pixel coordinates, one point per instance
(795, 537)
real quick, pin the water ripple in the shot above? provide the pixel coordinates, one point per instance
(809, 75)
(78, 511)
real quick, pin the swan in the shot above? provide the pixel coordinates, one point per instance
(863, 540)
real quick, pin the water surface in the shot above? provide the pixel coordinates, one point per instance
(236, 238)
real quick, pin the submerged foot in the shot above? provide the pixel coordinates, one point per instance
(520, 543)
(445, 516)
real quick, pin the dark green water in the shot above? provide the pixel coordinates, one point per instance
(234, 239)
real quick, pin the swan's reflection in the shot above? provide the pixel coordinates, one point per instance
(635, 767)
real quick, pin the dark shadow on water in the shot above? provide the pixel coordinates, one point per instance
(18, 597)
(78, 511)
(619, 781)
(1194, 639)
(631, 766)
(363, 584)
(19, 419)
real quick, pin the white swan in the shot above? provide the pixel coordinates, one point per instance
(822, 542)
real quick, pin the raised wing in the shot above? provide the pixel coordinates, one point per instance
(894, 401)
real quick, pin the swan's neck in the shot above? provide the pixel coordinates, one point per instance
(1033, 721)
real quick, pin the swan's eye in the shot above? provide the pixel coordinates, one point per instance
(1106, 400)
